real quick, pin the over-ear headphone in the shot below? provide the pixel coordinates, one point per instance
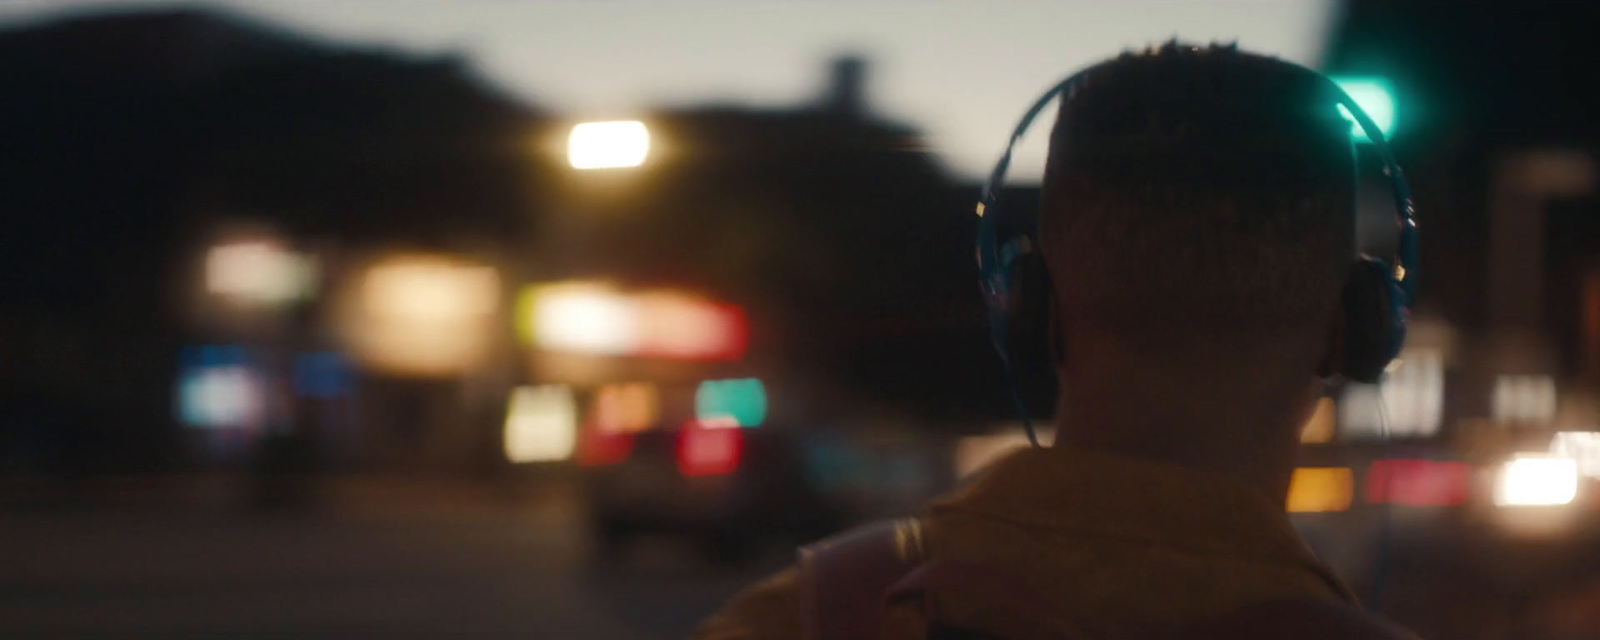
(1377, 294)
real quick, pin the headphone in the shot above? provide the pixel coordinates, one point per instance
(1377, 295)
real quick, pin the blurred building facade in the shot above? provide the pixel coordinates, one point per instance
(240, 246)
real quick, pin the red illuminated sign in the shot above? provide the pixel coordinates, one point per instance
(1421, 483)
(680, 327)
(595, 319)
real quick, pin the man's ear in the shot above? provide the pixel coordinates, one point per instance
(1332, 362)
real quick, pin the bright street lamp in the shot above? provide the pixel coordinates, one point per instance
(608, 145)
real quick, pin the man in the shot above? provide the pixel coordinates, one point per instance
(1197, 227)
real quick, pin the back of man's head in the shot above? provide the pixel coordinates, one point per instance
(1198, 200)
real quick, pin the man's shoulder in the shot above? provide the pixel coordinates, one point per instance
(769, 610)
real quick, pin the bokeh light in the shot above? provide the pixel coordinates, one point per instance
(626, 408)
(541, 424)
(679, 326)
(1408, 403)
(579, 317)
(259, 272)
(709, 450)
(608, 145)
(597, 319)
(1320, 489)
(1524, 398)
(1581, 446)
(219, 388)
(743, 400)
(1418, 483)
(598, 448)
(1372, 94)
(1536, 480)
(424, 315)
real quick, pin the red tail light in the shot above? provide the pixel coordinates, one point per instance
(709, 449)
(597, 447)
(1420, 483)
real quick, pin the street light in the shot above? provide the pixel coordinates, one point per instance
(608, 145)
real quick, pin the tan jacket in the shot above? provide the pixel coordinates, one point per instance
(1119, 547)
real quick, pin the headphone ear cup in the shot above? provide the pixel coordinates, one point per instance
(1370, 321)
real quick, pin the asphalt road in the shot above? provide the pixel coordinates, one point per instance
(477, 570)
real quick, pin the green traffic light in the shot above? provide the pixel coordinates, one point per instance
(744, 400)
(1372, 94)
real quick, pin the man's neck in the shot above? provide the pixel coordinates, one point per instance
(1234, 436)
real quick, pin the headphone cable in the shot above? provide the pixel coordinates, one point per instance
(1381, 556)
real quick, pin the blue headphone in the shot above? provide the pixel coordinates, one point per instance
(1377, 295)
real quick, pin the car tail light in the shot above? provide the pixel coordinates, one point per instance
(709, 449)
(1419, 483)
(598, 447)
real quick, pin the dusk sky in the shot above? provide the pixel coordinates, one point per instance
(961, 71)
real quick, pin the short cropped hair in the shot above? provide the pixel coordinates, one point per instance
(1199, 193)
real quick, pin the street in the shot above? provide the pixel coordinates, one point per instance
(486, 570)
(392, 557)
